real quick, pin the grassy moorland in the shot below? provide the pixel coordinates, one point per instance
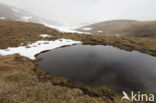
(22, 82)
(13, 33)
(124, 27)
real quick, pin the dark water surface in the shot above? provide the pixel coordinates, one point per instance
(102, 66)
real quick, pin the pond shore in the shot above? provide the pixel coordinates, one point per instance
(36, 85)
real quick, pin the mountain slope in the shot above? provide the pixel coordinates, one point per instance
(8, 12)
(123, 27)
(140, 29)
(106, 26)
(13, 33)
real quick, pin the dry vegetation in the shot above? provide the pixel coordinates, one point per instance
(13, 33)
(124, 27)
(22, 82)
(144, 45)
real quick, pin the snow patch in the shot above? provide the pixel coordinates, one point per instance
(87, 29)
(100, 31)
(65, 29)
(45, 36)
(32, 49)
(26, 18)
(2, 18)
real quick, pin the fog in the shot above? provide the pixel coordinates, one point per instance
(75, 12)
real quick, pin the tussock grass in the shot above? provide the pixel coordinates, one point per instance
(124, 27)
(21, 82)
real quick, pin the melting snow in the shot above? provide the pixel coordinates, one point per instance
(32, 49)
(100, 31)
(45, 36)
(65, 29)
(87, 29)
(26, 18)
(2, 17)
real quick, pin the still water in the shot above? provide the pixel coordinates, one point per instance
(102, 66)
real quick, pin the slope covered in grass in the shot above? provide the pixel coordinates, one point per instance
(36, 86)
(20, 84)
(22, 32)
(124, 27)
(8, 12)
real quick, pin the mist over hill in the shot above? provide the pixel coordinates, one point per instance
(122, 27)
(8, 12)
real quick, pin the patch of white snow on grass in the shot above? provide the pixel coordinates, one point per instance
(45, 36)
(100, 31)
(65, 29)
(35, 48)
(26, 18)
(2, 18)
(87, 29)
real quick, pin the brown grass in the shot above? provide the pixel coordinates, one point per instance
(125, 27)
(12, 33)
(21, 82)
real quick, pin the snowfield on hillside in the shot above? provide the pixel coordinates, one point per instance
(2, 18)
(65, 29)
(87, 29)
(26, 18)
(32, 49)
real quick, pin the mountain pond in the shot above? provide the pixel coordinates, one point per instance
(99, 65)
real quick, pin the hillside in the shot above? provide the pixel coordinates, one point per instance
(8, 12)
(21, 32)
(123, 27)
(20, 83)
(37, 86)
(13, 33)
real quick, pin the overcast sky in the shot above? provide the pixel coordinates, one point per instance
(81, 11)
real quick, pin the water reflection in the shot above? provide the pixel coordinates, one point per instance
(102, 66)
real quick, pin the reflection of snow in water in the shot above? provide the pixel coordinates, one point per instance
(102, 66)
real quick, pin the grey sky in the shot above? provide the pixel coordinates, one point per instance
(80, 11)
